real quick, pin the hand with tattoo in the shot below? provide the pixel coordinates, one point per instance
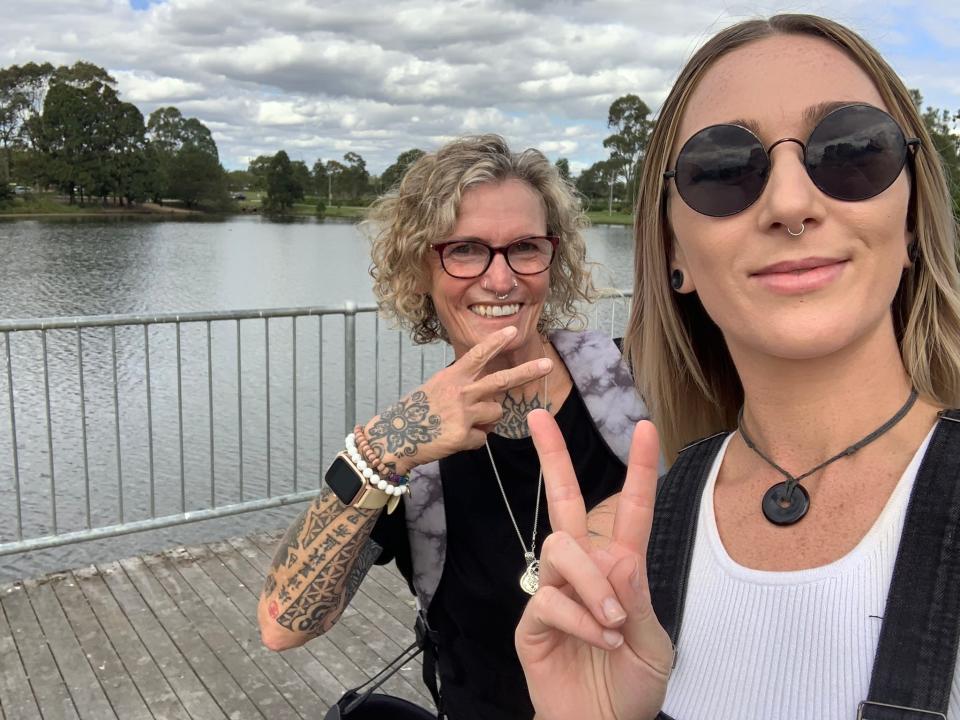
(453, 410)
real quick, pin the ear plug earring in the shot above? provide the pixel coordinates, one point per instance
(676, 279)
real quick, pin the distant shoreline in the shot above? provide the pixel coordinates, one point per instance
(299, 210)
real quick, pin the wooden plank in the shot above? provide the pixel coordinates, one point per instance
(16, 697)
(105, 664)
(111, 585)
(365, 645)
(88, 696)
(216, 678)
(256, 686)
(219, 565)
(237, 613)
(48, 686)
(137, 659)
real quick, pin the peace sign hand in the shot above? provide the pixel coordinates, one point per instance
(453, 410)
(589, 641)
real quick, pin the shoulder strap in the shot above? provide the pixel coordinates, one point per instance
(674, 529)
(914, 665)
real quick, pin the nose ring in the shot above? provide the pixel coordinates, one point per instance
(799, 232)
(506, 294)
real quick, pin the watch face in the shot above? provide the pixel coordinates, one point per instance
(344, 479)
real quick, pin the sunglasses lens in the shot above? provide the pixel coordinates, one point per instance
(856, 152)
(721, 170)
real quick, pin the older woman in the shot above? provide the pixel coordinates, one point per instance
(481, 248)
(798, 304)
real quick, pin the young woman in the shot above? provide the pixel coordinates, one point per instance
(797, 305)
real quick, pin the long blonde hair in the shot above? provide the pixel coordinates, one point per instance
(678, 354)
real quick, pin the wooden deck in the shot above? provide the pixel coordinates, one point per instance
(174, 635)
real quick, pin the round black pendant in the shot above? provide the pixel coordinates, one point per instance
(782, 511)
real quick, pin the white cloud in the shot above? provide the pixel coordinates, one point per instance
(368, 76)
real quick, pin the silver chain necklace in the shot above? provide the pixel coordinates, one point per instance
(530, 579)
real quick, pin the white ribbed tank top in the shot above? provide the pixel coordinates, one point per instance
(761, 645)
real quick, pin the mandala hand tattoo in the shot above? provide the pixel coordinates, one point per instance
(407, 425)
(513, 424)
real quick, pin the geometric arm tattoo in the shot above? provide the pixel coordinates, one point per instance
(319, 565)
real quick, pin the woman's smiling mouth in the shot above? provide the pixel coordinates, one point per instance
(487, 311)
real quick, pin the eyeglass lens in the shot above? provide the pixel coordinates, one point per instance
(854, 153)
(469, 258)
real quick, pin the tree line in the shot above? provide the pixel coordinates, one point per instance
(67, 127)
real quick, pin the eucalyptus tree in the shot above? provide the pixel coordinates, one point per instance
(630, 118)
(394, 173)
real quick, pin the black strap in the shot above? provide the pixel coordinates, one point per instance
(354, 698)
(429, 641)
(674, 529)
(915, 658)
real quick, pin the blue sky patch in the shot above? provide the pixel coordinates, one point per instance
(143, 4)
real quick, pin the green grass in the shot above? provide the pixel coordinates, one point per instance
(602, 217)
(43, 204)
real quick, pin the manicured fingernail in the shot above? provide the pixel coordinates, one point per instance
(613, 611)
(612, 638)
(544, 364)
(636, 582)
(510, 330)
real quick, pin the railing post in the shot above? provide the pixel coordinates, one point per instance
(349, 366)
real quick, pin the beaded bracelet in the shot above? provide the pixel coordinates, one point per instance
(374, 461)
(373, 478)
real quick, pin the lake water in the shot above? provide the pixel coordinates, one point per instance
(71, 267)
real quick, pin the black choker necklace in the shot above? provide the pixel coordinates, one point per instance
(786, 502)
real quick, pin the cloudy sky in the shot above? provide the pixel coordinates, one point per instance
(319, 78)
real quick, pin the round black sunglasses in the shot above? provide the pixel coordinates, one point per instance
(854, 153)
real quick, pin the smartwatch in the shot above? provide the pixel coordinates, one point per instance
(351, 487)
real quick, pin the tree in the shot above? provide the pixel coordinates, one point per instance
(394, 174)
(259, 168)
(940, 124)
(335, 174)
(356, 179)
(599, 181)
(197, 178)
(301, 174)
(239, 180)
(563, 165)
(168, 133)
(283, 188)
(13, 105)
(321, 185)
(630, 117)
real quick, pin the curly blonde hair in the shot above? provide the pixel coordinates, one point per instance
(423, 209)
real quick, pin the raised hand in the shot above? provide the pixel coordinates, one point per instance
(589, 641)
(451, 411)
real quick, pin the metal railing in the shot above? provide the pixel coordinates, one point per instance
(189, 396)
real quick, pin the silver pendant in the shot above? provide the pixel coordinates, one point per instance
(530, 580)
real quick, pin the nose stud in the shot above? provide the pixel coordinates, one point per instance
(798, 233)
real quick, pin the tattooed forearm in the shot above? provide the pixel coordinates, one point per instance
(406, 425)
(319, 565)
(513, 424)
(323, 598)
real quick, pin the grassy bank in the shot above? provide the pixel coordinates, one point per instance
(602, 217)
(51, 204)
